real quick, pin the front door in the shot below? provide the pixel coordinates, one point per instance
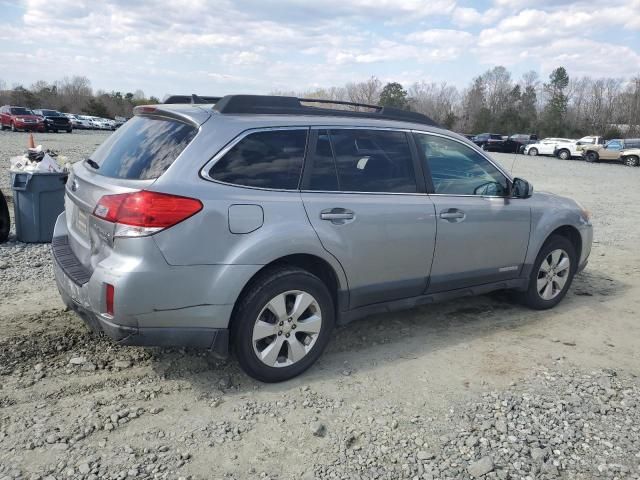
(482, 233)
(611, 150)
(362, 197)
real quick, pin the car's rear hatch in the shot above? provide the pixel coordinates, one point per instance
(129, 160)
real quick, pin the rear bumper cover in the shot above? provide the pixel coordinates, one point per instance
(214, 339)
(151, 312)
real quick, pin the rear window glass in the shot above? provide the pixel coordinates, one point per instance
(143, 148)
(496, 137)
(269, 159)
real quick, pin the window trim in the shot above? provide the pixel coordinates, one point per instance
(311, 145)
(204, 171)
(474, 147)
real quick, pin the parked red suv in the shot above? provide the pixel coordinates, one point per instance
(20, 118)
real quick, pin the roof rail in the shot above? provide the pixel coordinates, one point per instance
(277, 105)
(192, 99)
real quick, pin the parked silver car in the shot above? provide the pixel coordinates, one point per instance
(263, 222)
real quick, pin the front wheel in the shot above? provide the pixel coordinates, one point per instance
(70, 130)
(551, 275)
(632, 161)
(533, 152)
(564, 155)
(13, 127)
(282, 325)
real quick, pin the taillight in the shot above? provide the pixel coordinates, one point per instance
(109, 294)
(144, 213)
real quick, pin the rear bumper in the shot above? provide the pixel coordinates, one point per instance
(76, 298)
(149, 301)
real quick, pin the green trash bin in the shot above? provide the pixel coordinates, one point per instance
(38, 199)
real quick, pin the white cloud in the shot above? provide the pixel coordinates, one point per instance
(441, 37)
(291, 44)
(468, 16)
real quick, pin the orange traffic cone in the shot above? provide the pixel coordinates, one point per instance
(32, 143)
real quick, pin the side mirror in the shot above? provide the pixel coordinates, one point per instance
(521, 188)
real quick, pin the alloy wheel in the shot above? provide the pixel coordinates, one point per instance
(287, 328)
(553, 274)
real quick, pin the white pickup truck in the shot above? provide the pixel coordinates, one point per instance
(567, 151)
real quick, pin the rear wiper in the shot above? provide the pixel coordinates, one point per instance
(92, 163)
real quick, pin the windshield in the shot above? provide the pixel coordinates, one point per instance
(50, 113)
(496, 137)
(20, 111)
(143, 148)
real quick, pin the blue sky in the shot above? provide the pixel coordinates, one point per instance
(257, 46)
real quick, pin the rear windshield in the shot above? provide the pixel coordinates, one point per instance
(496, 137)
(143, 148)
(20, 111)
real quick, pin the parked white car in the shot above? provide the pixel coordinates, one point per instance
(100, 123)
(567, 151)
(546, 146)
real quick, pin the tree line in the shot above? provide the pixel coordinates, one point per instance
(74, 95)
(560, 106)
(493, 102)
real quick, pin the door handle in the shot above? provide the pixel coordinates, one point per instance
(452, 215)
(337, 215)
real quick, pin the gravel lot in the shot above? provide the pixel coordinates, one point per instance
(474, 388)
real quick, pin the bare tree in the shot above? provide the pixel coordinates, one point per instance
(367, 92)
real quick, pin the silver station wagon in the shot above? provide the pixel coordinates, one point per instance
(260, 223)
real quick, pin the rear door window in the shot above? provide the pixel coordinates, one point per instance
(361, 160)
(143, 148)
(266, 159)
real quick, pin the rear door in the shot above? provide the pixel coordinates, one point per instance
(367, 205)
(483, 234)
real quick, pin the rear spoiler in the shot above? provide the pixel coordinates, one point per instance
(192, 99)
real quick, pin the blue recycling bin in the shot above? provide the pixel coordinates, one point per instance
(38, 199)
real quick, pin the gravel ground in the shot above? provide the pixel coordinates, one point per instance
(479, 388)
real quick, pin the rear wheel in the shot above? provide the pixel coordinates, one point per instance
(564, 154)
(533, 152)
(70, 130)
(591, 157)
(551, 275)
(282, 325)
(5, 220)
(632, 161)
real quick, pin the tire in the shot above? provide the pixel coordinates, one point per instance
(564, 154)
(55, 131)
(537, 296)
(5, 220)
(591, 157)
(70, 130)
(281, 287)
(533, 152)
(632, 161)
(13, 127)
(484, 147)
